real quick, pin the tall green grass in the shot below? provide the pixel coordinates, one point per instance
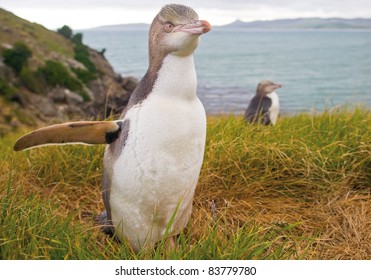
(292, 191)
(313, 151)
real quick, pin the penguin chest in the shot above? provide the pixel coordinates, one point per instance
(275, 107)
(159, 166)
(167, 139)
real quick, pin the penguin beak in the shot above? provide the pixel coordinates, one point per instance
(197, 27)
(276, 86)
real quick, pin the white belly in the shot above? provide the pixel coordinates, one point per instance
(274, 110)
(159, 168)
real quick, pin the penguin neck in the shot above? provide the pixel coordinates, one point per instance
(274, 98)
(261, 93)
(176, 77)
(272, 94)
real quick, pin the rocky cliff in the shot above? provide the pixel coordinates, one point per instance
(47, 77)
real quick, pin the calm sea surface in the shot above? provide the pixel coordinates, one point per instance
(319, 69)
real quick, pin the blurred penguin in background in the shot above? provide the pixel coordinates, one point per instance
(264, 107)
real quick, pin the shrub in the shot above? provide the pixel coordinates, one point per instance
(55, 73)
(6, 90)
(77, 38)
(83, 75)
(82, 55)
(81, 52)
(32, 80)
(65, 31)
(17, 57)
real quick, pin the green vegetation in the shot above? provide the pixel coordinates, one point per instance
(65, 31)
(52, 73)
(6, 90)
(15, 29)
(32, 80)
(77, 39)
(56, 74)
(81, 53)
(46, 72)
(298, 190)
(84, 75)
(17, 57)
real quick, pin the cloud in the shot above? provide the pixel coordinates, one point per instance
(326, 5)
(90, 13)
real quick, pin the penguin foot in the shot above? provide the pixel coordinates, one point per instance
(105, 225)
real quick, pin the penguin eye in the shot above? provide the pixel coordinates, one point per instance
(168, 27)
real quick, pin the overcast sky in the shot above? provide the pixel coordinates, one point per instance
(79, 14)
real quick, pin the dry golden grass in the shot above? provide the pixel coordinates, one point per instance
(281, 176)
(300, 190)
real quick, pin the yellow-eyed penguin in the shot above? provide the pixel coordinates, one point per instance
(264, 107)
(156, 149)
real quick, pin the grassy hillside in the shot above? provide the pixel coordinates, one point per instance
(38, 38)
(299, 190)
(49, 77)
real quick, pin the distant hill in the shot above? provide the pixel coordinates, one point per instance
(123, 27)
(302, 23)
(299, 23)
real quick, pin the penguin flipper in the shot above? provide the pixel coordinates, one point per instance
(266, 103)
(88, 132)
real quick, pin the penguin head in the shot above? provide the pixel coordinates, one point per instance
(176, 29)
(266, 87)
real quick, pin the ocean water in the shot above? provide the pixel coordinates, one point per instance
(319, 69)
